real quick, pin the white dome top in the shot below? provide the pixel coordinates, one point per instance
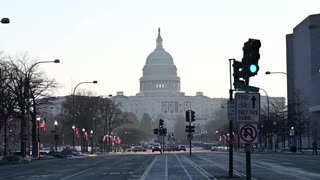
(159, 55)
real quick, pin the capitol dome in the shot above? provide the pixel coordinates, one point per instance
(159, 55)
(159, 73)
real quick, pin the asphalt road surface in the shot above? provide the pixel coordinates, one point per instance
(175, 166)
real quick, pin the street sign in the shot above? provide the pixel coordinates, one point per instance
(247, 107)
(243, 87)
(231, 111)
(248, 133)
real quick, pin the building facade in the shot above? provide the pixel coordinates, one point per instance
(160, 94)
(303, 65)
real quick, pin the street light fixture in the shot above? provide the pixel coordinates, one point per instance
(74, 121)
(5, 20)
(55, 134)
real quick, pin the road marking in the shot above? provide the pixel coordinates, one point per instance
(184, 169)
(199, 169)
(225, 168)
(166, 169)
(146, 172)
(15, 174)
(76, 174)
(281, 172)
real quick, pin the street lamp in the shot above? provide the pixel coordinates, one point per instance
(38, 145)
(82, 140)
(91, 138)
(55, 134)
(268, 106)
(74, 122)
(28, 89)
(5, 20)
(217, 135)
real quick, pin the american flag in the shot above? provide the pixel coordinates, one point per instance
(43, 124)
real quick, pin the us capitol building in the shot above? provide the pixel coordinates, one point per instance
(160, 94)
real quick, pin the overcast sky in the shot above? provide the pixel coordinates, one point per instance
(109, 41)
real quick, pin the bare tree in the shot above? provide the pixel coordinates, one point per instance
(26, 85)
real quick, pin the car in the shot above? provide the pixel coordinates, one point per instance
(182, 148)
(139, 149)
(130, 149)
(156, 147)
(168, 148)
(214, 148)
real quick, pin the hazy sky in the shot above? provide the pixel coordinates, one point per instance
(109, 41)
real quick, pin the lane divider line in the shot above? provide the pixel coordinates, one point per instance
(198, 168)
(184, 169)
(16, 174)
(225, 168)
(146, 172)
(76, 174)
(166, 169)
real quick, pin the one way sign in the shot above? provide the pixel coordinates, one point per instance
(247, 107)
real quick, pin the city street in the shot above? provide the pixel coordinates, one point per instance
(204, 165)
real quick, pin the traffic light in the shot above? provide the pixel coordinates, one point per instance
(164, 131)
(190, 116)
(237, 73)
(160, 123)
(155, 131)
(251, 57)
(190, 129)
(193, 116)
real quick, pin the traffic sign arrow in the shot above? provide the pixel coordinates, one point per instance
(253, 99)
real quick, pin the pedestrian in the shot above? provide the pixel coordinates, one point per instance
(314, 148)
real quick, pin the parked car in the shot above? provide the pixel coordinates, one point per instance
(139, 149)
(182, 148)
(214, 148)
(156, 147)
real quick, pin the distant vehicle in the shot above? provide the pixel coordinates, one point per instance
(156, 147)
(139, 149)
(214, 148)
(168, 148)
(130, 149)
(182, 148)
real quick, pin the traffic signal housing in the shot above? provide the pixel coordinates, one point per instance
(237, 72)
(164, 131)
(190, 116)
(251, 57)
(160, 123)
(189, 129)
(155, 131)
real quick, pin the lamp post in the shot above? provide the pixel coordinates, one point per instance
(91, 139)
(268, 108)
(55, 134)
(73, 133)
(82, 140)
(28, 90)
(217, 135)
(74, 121)
(4, 21)
(38, 144)
(291, 80)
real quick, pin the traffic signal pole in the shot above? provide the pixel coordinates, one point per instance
(230, 127)
(190, 133)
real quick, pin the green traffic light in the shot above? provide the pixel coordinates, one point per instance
(253, 68)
